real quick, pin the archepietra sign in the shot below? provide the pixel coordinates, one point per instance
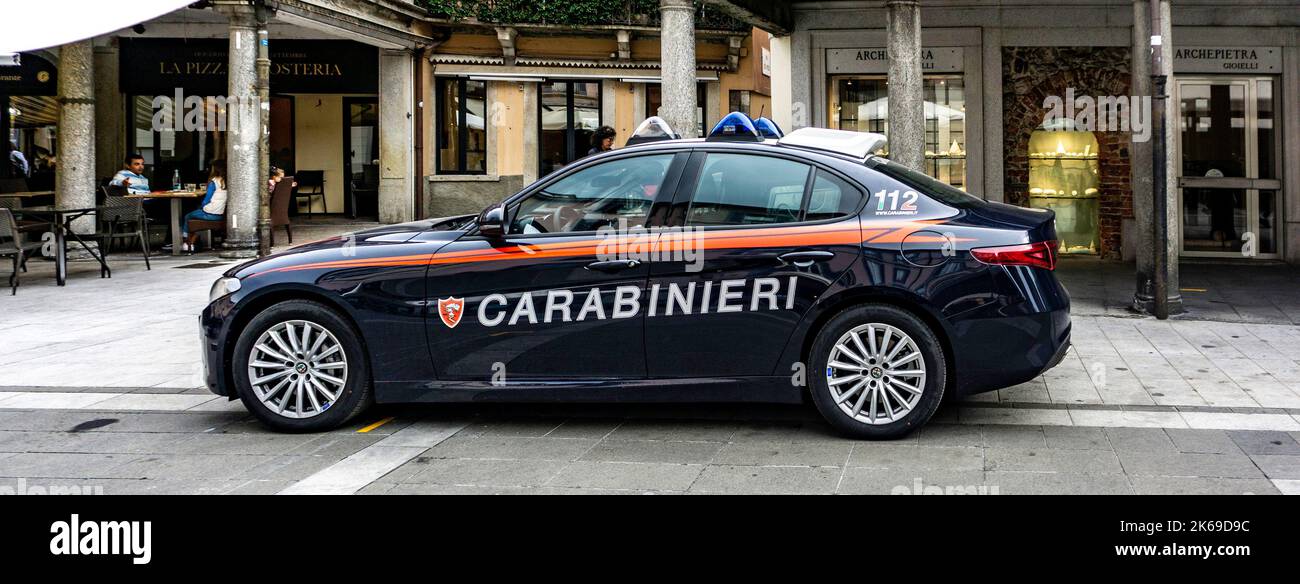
(198, 66)
(876, 60)
(1228, 59)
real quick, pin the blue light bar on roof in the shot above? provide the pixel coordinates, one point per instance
(653, 129)
(736, 127)
(767, 128)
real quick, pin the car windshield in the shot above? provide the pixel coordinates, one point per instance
(939, 190)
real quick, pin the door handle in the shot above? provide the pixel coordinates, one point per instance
(613, 265)
(804, 259)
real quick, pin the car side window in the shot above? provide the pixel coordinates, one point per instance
(744, 189)
(831, 197)
(594, 197)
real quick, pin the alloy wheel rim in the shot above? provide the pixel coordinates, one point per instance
(297, 369)
(876, 374)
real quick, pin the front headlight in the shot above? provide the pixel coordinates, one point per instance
(222, 287)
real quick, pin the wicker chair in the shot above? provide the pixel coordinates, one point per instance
(11, 245)
(121, 217)
(24, 225)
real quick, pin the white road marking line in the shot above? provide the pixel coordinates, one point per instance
(1015, 416)
(353, 473)
(1217, 421)
(1287, 486)
(53, 400)
(1127, 419)
(149, 401)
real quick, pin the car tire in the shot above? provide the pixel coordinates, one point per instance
(266, 351)
(883, 401)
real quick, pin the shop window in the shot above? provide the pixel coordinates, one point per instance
(570, 114)
(861, 104)
(32, 125)
(1064, 177)
(654, 97)
(462, 129)
(167, 151)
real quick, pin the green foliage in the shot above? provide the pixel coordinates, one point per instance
(570, 12)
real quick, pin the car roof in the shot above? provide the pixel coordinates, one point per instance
(768, 145)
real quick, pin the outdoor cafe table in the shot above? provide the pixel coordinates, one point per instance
(61, 218)
(176, 197)
(26, 195)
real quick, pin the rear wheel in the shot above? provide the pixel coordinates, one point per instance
(881, 372)
(300, 367)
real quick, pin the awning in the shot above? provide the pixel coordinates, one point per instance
(28, 26)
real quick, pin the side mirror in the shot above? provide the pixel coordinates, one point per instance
(492, 221)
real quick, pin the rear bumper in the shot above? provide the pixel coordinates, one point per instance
(1026, 336)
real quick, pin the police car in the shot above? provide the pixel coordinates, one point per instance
(748, 266)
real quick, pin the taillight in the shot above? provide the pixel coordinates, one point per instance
(1038, 255)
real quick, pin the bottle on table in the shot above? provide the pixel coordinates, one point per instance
(176, 180)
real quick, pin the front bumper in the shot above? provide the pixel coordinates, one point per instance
(214, 329)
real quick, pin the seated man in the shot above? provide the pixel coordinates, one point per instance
(130, 177)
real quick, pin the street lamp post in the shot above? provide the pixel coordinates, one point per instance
(1159, 177)
(264, 140)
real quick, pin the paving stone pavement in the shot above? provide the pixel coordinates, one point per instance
(99, 387)
(625, 449)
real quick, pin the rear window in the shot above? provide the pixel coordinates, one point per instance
(937, 190)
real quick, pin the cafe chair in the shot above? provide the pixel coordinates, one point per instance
(311, 184)
(24, 225)
(11, 245)
(214, 227)
(121, 217)
(280, 198)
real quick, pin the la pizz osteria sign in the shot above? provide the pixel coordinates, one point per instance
(1228, 59)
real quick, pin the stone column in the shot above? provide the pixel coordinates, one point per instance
(677, 65)
(906, 98)
(532, 125)
(74, 177)
(396, 136)
(1144, 192)
(110, 117)
(1140, 166)
(244, 184)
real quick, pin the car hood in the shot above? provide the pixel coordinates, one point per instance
(441, 229)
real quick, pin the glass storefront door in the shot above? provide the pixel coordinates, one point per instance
(361, 165)
(1228, 184)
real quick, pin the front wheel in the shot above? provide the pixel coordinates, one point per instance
(881, 372)
(300, 367)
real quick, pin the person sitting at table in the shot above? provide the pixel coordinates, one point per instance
(130, 177)
(213, 207)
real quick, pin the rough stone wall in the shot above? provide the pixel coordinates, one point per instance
(1031, 74)
(444, 198)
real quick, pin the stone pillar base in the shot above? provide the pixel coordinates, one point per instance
(1146, 304)
(238, 249)
(76, 252)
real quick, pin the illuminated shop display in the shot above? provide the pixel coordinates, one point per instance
(1064, 177)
